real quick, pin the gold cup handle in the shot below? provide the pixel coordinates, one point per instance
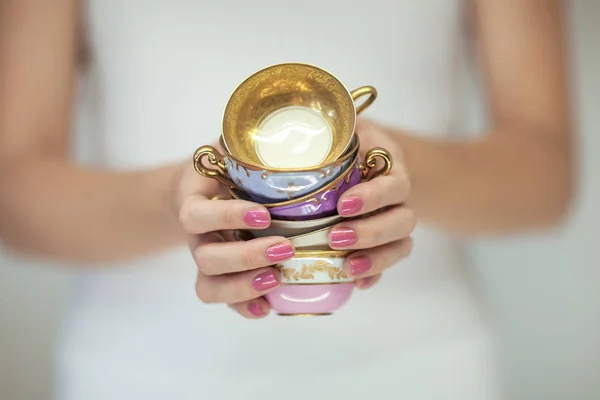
(214, 158)
(364, 91)
(370, 163)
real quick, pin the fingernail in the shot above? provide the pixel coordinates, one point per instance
(366, 282)
(280, 252)
(265, 281)
(342, 237)
(255, 310)
(359, 265)
(257, 218)
(350, 205)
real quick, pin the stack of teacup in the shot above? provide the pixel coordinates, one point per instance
(288, 142)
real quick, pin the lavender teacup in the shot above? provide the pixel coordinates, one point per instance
(269, 185)
(323, 203)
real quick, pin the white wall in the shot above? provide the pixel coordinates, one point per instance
(545, 290)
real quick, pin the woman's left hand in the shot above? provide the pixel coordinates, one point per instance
(383, 237)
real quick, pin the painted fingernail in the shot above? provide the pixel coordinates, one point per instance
(265, 281)
(359, 265)
(366, 282)
(350, 205)
(280, 252)
(255, 310)
(257, 218)
(342, 237)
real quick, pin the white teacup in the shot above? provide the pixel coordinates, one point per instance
(295, 228)
(315, 267)
(318, 239)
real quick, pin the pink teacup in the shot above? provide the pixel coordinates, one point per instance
(304, 300)
(312, 283)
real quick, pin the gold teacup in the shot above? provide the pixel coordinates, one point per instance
(292, 116)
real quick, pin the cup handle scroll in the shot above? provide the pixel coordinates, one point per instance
(361, 92)
(215, 158)
(370, 163)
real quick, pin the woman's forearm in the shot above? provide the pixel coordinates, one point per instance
(507, 182)
(53, 208)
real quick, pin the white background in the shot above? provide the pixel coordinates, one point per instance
(545, 290)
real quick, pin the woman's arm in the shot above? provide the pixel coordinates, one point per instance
(520, 176)
(49, 205)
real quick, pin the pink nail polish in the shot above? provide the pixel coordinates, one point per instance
(350, 205)
(342, 237)
(280, 252)
(265, 281)
(366, 282)
(255, 310)
(257, 218)
(359, 265)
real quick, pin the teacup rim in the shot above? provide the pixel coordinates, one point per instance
(252, 167)
(317, 284)
(316, 221)
(322, 254)
(284, 64)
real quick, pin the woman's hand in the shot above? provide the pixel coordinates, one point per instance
(383, 237)
(233, 272)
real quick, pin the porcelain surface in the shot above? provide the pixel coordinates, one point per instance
(309, 299)
(314, 268)
(295, 228)
(269, 185)
(279, 112)
(318, 205)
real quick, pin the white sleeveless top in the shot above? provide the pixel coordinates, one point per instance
(159, 75)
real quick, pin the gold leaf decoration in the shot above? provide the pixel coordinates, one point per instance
(291, 189)
(308, 271)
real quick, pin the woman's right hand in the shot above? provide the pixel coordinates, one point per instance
(237, 273)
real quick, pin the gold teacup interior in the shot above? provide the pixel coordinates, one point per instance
(289, 116)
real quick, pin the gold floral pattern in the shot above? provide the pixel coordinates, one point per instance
(238, 167)
(290, 190)
(284, 85)
(308, 272)
(336, 189)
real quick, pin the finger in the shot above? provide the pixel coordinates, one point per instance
(374, 261)
(236, 288)
(195, 241)
(200, 215)
(220, 257)
(253, 309)
(367, 282)
(387, 190)
(386, 227)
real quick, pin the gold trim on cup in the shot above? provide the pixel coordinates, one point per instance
(322, 253)
(251, 167)
(285, 85)
(364, 169)
(315, 284)
(215, 158)
(371, 162)
(361, 92)
(304, 314)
